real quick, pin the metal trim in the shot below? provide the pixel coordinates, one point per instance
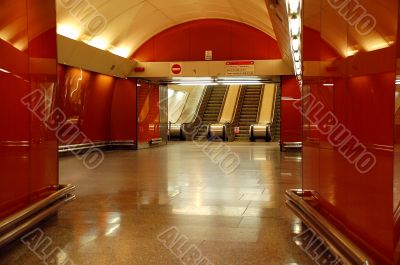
(14, 225)
(339, 243)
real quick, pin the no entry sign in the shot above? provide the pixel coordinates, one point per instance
(176, 69)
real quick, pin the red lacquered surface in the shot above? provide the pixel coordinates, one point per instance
(228, 40)
(148, 111)
(86, 100)
(359, 90)
(291, 127)
(123, 112)
(102, 108)
(396, 177)
(28, 149)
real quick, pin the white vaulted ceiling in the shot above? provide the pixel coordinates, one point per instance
(131, 22)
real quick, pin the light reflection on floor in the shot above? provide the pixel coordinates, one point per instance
(122, 207)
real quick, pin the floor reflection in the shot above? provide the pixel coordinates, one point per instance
(132, 197)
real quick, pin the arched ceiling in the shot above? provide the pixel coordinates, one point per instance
(342, 35)
(129, 23)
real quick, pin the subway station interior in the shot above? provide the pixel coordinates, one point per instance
(200, 132)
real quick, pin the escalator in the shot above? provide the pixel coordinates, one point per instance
(213, 109)
(249, 111)
(276, 124)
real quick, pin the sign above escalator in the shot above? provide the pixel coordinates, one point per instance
(239, 68)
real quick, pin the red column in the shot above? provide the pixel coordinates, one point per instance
(290, 116)
(348, 126)
(28, 147)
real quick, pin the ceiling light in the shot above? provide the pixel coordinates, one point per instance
(294, 25)
(295, 44)
(250, 78)
(293, 6)
(98, 43)
(328, 84)
(121, 51)
(68, 31)
(296, 56)
(297, 65)
(197, 84)
(181, 79)
(228, 83)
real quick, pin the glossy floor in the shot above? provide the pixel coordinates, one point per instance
(132, 208)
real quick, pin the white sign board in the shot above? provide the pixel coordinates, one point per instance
(208, 55)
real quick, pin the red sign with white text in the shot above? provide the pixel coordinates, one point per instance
(239, 68)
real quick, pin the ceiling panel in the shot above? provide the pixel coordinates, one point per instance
(129, 23)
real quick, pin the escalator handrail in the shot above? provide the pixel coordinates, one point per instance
(205, 92)
(260, 103)
(223, 103)
(274, 104)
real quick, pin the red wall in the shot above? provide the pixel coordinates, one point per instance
(148, 111)
(291, 119)
(396, 177)
(28, 148)
(102, 107)
(123, 113)
(228, 40)
(359, 91)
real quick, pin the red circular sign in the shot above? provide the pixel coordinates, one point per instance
(176, 69)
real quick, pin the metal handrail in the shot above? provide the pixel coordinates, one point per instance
(274, 104)
(236, 114)
(223, 104)
(205, 92)
(337, 241)
(260, 103)
(18, 223)
(12, 220)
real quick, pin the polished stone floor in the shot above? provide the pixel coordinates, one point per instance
(160, 206)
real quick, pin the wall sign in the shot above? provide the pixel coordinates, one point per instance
(176, 69)
(208, 56)
(239, 68)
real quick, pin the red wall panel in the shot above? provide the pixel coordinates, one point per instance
(123, 113)
(102, 107)
(86, 100)
(96, 118)
(28, 148)
(291, 118)
(359, 91)
(228, 40)
(148, 111)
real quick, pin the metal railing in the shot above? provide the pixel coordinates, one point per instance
(260, 103)
(339, 243)
(15, 225)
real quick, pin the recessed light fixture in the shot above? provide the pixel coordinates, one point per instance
(296, 44)
(293, 6)
(295, 26)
